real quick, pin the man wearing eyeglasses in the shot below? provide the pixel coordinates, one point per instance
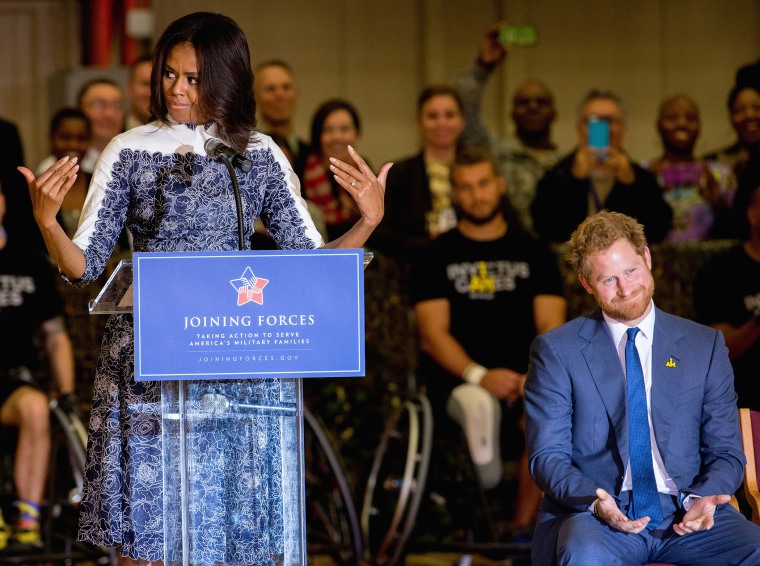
(598, 175)
(102, 101)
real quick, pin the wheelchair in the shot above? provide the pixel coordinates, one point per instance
(60, 507)
(419, 481)
(332, 523)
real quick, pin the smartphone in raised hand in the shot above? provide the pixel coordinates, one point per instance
(521, 35)
(599, 135)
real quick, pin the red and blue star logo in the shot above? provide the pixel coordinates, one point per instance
(249, 288)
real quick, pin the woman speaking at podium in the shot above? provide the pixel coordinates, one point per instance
(158, 181)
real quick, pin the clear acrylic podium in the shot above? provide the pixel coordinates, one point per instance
(222, 441)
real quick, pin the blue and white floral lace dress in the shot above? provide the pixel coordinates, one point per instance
(158, 180)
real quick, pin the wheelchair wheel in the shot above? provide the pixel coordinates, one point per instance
(69, 437)
(397, 481)
(332, 525)
(64, 493)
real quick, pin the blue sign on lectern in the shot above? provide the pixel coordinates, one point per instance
(216, 315)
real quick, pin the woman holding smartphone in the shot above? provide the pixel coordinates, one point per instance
(700, 192)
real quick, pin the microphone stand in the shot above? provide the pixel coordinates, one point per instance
(238, 201)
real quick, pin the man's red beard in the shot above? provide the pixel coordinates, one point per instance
(629, 308)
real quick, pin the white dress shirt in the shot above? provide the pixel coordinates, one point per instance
(665, 483)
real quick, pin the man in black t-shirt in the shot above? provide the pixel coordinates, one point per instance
(29, 307)
(727, 297)
(482, 292)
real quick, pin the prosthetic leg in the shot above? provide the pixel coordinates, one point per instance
(479, 414)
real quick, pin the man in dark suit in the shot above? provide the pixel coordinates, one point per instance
(633, 435)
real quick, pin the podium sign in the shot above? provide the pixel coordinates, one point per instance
(229, 335)
(280, 314)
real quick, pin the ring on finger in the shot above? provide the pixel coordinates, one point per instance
(353, 182)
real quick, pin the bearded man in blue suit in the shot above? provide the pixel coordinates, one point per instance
(633, 435)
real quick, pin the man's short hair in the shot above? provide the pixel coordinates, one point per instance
(673, 98)
(537, 82)
(595, 94)
(144, 58)
(597, 233)
(473, 155)
(273, 63)
(91, 83)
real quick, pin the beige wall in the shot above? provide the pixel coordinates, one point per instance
(37, 38)
(379, 53)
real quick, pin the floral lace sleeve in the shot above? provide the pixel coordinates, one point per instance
(284, 212)
(105, 210)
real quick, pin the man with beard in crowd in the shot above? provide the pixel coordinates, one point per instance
(482, 292)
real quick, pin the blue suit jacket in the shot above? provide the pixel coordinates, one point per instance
(577, 425)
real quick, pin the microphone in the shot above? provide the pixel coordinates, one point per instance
(216, 149)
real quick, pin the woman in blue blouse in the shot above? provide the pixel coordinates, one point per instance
(158, 181)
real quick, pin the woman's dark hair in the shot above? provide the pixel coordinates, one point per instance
(438, 90)
(327, 108)
(225, 79)
(749, 75)
(67, 113)
(733, 95)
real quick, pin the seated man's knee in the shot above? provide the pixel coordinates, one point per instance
(479, 414)
(576, 543)
(583, 539)
(33, 409)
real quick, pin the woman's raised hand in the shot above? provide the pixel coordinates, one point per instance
(367, 190)
(48, 191)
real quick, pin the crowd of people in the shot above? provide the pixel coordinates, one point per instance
(473, 294)
(474, 219)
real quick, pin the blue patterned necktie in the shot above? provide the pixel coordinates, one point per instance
(645, 501)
